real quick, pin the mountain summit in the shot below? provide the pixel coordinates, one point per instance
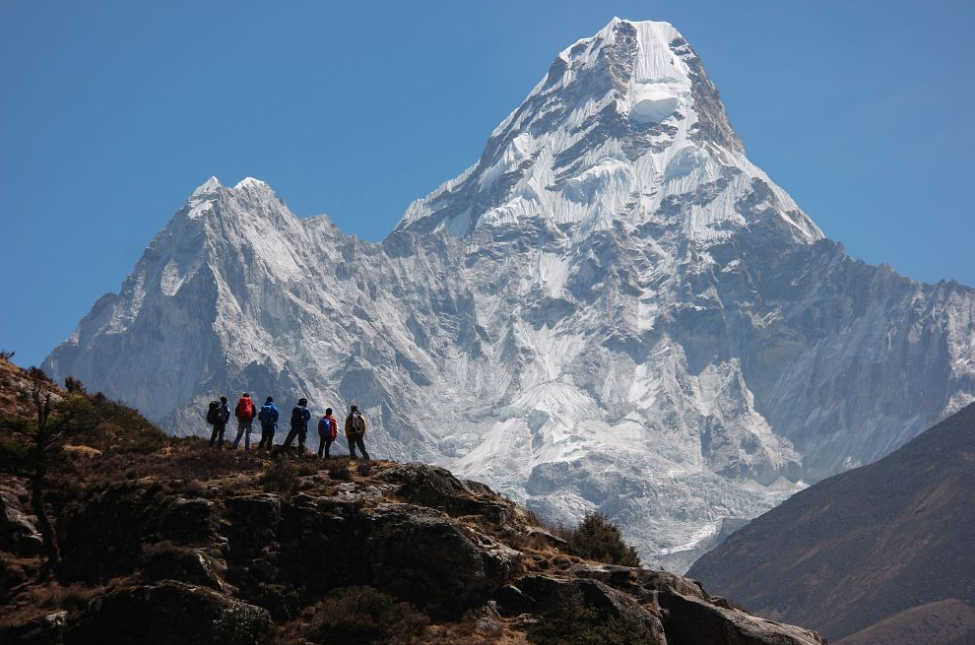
(613, 310)
(622, 122)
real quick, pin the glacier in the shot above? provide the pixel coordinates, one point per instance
(611, 310)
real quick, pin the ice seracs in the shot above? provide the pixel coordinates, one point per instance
(611, 310)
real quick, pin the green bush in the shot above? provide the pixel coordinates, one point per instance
(363, 615)
(573, 622)
(596, 538)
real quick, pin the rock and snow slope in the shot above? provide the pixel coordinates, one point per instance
(613, 309)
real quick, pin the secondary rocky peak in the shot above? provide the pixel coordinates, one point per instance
(250, 184)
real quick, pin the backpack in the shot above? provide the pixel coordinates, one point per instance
(245, 409)
(213, 416)
(297, 417)
(328, 428)
(357, 423)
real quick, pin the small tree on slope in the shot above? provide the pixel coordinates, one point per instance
(31, 448)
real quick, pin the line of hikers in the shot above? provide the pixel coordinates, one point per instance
(218, 415)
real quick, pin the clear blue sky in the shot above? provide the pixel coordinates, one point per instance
(112, 112)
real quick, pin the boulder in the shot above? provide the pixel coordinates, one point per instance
(188, 521)
(184, 564)
(254, 522)
(42, 630)
(431, 560)
(612, 574)
(18, 530)
(546, 594)
(691, 616)
(435, 487)
(170, 613)
(691, 621)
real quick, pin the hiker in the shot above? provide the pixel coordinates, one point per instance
(355, 431)
(268, 416)
(218, 415)
(328, 429)
(245, 413)
(299, 426)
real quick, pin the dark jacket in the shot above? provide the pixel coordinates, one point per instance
(300, 421)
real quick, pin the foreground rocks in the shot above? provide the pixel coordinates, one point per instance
(274, 550)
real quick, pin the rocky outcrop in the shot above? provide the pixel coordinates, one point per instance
(547, 594)
(18, 530)
(257, 548)
(674, 608)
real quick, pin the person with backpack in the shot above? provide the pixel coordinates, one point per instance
(355, 431)
(328, 430)
(245, 413)
(268, 416)
(299, 426)
(218, 415)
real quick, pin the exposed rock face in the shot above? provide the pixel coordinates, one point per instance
(613, 309)
(18, 530)
(878, 543)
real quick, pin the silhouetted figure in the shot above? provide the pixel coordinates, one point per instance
(355, 431)
(218, 416)
(328, 430)
(268, 416)
(245, 413)
(299, 426)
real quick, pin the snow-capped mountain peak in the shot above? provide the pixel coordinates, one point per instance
(624, 124)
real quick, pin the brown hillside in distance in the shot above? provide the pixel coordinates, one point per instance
(865, 545)
(936, 623)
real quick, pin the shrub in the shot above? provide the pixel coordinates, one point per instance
(339, 471)
(361, 615)
(573, 622)
(38, 374)
(364, 468)
(74, 386)
(596, 538)
(305, 470)
(281, 477)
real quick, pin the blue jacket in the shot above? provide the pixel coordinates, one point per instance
(268, 415)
